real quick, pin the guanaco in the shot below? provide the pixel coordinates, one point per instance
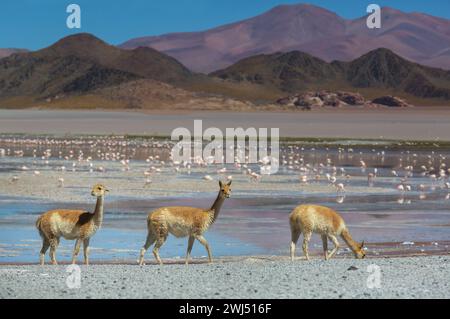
(308, 219)
(183, 222)
(70, 224)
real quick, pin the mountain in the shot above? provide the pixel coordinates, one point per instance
(380, 69)
(7, 52)
(302, 27)
(291, 71)
(145, 62)
(83, 71)
(82, 63)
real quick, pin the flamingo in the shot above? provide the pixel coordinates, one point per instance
(148, 181)
(304, 179)
(370, 178)
(363, 164)
(340, 188)
(255, 177)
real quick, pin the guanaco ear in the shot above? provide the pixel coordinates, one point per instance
(220, 184)
(362, 245)
(229, 183)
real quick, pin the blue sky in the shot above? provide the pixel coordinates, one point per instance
(34, 24)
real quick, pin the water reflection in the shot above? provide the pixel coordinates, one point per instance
(340, 199)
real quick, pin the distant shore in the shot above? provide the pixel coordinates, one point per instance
(417, 123)
(251, 277)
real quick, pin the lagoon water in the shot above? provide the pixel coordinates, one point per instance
(254, 221)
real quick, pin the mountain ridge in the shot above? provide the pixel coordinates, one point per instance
(85, 68)
(379, 69)
(308, 28)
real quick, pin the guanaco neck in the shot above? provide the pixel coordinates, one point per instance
(98, 213)
(353, 245)
(215, 208)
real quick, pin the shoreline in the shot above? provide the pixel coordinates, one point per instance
(336, 141)
(355, 108)
(150, 261)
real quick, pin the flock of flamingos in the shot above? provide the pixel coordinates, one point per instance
(191, 222)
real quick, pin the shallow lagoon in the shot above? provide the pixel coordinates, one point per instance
(253, 222)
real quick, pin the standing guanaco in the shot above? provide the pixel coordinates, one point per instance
(183, 222)
(70, 224)
(308, 219)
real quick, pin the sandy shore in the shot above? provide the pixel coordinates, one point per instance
(252, 277)
(419, 123)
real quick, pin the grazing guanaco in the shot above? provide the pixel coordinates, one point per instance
(71, 224)
(183, 222)
(308, 219)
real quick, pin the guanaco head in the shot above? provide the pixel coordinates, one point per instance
(99, 190)
(359, 253)
(225, 189)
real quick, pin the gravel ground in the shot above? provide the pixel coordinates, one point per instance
(252, 277)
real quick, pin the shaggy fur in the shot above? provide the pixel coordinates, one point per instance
(308, 219)
(76, 225)
(182, 222)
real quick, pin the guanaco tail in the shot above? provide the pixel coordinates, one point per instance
(70, 224)
(183, 222)
(308, 219)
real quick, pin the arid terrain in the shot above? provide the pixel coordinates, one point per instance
(82, 71)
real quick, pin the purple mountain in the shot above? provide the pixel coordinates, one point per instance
(7, 52)
(415, 36)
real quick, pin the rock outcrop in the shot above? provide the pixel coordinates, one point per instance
(391, 101)
(314, 99)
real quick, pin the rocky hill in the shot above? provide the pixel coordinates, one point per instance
(380, 69)
(83, 63)
(82, 71)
